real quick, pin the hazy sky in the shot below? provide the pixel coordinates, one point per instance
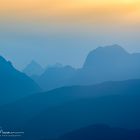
(64, 31)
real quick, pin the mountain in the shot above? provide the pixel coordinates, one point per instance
(109, 63)
(105, 57)
(33, 69)
(55, 77)
(102, 132)
(14, 84)
(54, 113)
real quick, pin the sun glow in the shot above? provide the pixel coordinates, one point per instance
(71, 10)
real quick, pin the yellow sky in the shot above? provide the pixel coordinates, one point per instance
(125, 11)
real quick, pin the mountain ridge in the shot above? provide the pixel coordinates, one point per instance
(109, 63)
(14, 84)
(70, 108)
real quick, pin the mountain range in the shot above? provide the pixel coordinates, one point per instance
(57, 112)
(109, 63)
(106, 90)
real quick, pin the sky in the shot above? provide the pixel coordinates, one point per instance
(64, 31)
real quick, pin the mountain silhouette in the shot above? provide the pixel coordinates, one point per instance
(33, 69)
(55, 77)
(102, 132)
(14, 84)
(109, 63)
(67, 109)
(105, 56)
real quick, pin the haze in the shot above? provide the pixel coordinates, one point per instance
(64, 31)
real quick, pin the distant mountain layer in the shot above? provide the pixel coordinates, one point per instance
(102, 132)
(63, 110)
(33, 69)
(55, 77)
(14, 84)
(110, 63)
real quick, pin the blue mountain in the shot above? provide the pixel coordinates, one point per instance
(109, 63)
(102, 132)
(55, 77)
(33, 69)
(105, 57)
(67, 109)
(14, 84)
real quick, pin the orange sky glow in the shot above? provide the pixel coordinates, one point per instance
(125, 11)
